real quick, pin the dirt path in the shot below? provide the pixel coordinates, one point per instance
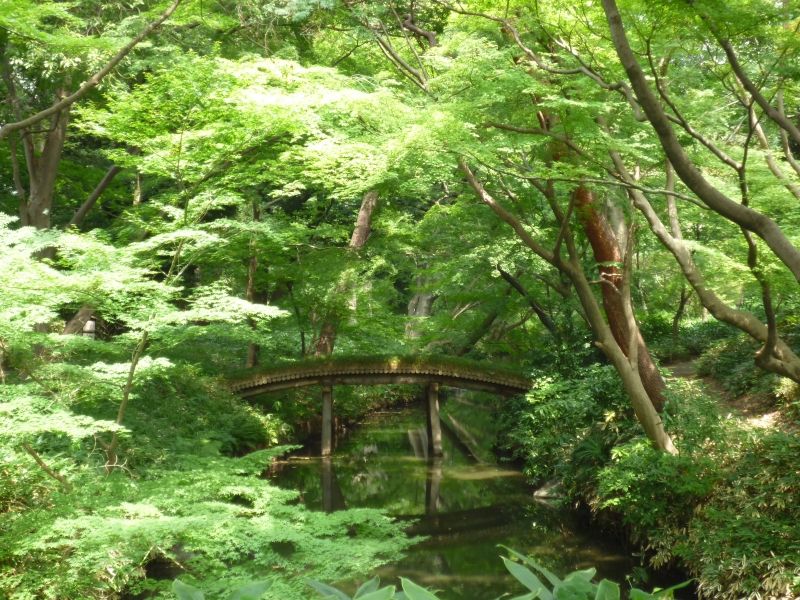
(756, 409)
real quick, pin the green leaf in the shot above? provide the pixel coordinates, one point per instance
(385, 593)
(584, 575)
(607, 590)
(549, 575)
(415, 592)
(669, 592)
(251, 591)
(184, 591)
(527, 578)
(328, 591)
(368, 586)
(576, 586)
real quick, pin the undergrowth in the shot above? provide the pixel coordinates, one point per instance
(724, 507)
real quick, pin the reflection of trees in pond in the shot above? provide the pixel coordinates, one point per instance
(386, 466)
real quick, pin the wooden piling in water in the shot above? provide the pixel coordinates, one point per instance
(434, 422)
(327, 420)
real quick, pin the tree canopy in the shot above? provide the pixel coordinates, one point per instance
(208, 187)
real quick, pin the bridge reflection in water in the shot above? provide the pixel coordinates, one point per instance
(463, 507)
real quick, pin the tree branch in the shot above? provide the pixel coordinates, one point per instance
(47, 469)
(780, 119)
(80, 214)
(93, 81)
(743, 216)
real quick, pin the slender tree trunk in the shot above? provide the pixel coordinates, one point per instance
(250, 290)
(479, 332)
(676, 319)
(544, 318)
(80, 214)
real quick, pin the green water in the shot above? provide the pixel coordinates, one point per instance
(464, 508)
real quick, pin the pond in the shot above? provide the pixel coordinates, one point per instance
(464, 508)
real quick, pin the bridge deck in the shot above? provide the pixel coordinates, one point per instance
(374, 371)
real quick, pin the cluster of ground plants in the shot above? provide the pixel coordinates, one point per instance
(720, 508)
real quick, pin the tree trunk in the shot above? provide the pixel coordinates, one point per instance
(75, 325)
(544, 318)
(608, 256)
(250, 290)
(42, 171)
(364, 221)
(479, 332)
(80, 214)
(419, 307)
(629, 373)
(676, 319)
(327, 334)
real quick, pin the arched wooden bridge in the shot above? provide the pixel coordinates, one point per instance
(432, 371)
(467, 374)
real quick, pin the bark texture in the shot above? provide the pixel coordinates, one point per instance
(628, 371)
(608, 255)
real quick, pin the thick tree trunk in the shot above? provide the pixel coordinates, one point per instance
(608, 256)
(419, 307)
(76, 324)
(42, 171)
(628, 372)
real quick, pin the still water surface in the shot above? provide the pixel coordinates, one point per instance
(465, 509)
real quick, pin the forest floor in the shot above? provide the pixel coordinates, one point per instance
(757, 409)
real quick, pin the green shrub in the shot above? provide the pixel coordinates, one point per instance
(743, 542)
(698, 335)
(731, 362)
(560, 416)
(214, 519)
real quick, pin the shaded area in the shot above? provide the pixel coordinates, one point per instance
(465, 509)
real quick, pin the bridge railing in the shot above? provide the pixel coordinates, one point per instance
(431, 365)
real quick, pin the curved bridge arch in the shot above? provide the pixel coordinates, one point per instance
(376, 371)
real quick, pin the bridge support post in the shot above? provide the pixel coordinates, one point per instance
(434, 422)
(327, 420)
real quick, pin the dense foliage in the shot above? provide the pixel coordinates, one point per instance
(571, 192)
